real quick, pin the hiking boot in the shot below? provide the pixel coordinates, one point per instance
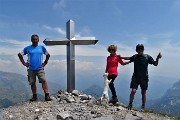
(34, 97)
(129, 107)
(113, 100)
(142, 108)
(47, 97)
(117, 104)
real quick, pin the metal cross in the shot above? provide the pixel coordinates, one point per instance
(70, 41)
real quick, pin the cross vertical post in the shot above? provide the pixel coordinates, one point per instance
(70, 56)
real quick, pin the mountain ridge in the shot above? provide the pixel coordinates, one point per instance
(15, 88)
(169, 103)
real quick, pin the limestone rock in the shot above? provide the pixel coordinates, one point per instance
(74, 106)
(75, 93)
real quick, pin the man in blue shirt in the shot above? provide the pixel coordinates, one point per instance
(35, 66)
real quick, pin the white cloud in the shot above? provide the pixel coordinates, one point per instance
(14, 42)
(91, 50)
(12, 66)
(86, 31)
(79, 50)
(56, 29)
(176, 4)
(86, 66)
(55, 65)
(12, 47)
(57, 50)
(80, 66)
(168, 65)
(9, 50)
(59, 5)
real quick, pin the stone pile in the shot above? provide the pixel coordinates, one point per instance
(74, 106)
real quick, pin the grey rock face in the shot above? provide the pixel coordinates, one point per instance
(74, 106)
(75, 93)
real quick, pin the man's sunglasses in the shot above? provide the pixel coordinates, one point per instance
(35, 39)
(140, 49)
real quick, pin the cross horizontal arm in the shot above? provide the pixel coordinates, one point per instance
(84, 40)
(56, 42)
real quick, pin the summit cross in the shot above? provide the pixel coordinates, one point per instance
(70, 41)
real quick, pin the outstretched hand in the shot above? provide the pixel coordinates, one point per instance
(159, 56)
(125, 63)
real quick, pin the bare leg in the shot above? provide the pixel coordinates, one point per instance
(133, 92)
(45, 86)
(33, 88)
(143, 92)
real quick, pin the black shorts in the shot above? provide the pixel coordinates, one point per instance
(142, 82)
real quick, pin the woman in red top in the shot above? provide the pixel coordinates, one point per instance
(111, 69)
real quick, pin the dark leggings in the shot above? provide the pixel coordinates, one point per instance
(111, 84)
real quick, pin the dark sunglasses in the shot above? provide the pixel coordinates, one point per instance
(140, 49)
(35, 39)
(111, 50)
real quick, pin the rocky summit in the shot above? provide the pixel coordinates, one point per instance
(75, 106)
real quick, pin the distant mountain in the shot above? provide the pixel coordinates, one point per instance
(170, 102)
(96, 91)
(15, 88)
(156, 88)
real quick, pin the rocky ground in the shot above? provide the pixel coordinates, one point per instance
(75, 106)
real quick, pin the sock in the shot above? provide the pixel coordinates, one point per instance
(130, 103)
(143, 104)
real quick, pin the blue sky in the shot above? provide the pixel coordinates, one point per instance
(154, 23)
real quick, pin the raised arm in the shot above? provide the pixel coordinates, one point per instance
(157, 59)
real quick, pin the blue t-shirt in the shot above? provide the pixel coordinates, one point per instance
(35, 56)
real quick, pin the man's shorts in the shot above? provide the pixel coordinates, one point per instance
(142, 82)
(32, 76)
